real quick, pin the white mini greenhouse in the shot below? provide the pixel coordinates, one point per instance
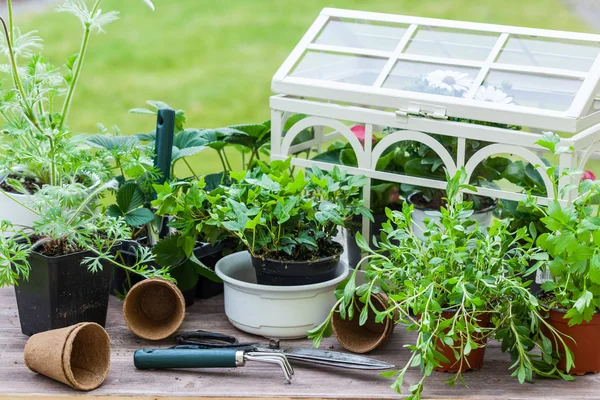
(406, 78)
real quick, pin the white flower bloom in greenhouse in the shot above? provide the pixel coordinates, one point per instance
(490, 93)
(448, 79)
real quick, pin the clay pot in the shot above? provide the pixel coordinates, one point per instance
(78, 356)
(154, 309)
(362, 339)
(585, 344)
(474, 360)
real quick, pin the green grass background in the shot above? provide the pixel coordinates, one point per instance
(215, 59)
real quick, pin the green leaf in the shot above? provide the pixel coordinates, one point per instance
(111, 142)
(364, 315)
(349, 290)
(168, 253)
(114, 211)
(583, 301)
(594, 272)
(129, 197)
(139, 217)
(596, 237)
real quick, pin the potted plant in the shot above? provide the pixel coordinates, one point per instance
(133, 160)
(65, 257)
(455, 289)
(572, 239)
(415, 159)
(38, 147)
(286, 222)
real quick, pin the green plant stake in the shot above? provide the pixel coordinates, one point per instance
(165, 134)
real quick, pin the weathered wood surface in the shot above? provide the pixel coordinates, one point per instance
(493, 381)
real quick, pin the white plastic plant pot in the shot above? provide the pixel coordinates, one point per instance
(11, 210)
(286, 312)
(484, 218)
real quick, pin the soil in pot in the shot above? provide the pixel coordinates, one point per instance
(474, 360)
(30, 184)
(61, 292)
(282, 272)
(585, 344)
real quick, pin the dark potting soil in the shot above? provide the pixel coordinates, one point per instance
(56, 248)
(326, 249)
(30, 184)
(419, 200)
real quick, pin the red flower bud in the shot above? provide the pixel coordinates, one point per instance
(588, 176)
(359, 132)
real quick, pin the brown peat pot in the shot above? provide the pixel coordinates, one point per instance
(474, 360)
(296, 273)
(362, 339)
(586, 345)
(78, 356)
(154, 309)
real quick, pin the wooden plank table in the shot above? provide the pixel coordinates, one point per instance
(493, 381)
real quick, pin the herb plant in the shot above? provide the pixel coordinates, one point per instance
(572, 240)
(68, 223)
(445, 286)
(36, 141)
(273, 213)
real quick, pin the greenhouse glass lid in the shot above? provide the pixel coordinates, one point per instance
(439, 68)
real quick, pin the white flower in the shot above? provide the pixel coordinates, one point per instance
(490, 93)
(450, 80)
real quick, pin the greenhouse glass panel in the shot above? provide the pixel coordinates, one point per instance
(361, 35)
(559, 54)
(354, 69)
(449, 69)
(452, 43)
(431, 78)
(537, 91)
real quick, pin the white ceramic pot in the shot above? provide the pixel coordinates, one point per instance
(286, 312)
(14, 212)
(484, 218)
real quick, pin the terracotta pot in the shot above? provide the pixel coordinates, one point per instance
(586, 345)
(362, 339)
(474, 360)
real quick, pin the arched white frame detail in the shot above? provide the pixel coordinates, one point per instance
(594, 148)
(330, 123)
(414, 136)
(522, 152)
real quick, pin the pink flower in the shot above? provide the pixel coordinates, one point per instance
(359, 132)
(394, 195)
(588, 176)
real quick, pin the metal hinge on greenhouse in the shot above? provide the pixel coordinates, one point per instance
(421, 110)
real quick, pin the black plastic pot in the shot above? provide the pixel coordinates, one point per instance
(61, 292)
(354, 252)
(209, 255)
(205, 288)
(296, 273)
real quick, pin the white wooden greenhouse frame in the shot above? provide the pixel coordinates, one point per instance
(348, 67)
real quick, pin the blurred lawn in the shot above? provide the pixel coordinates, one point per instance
(215, 59)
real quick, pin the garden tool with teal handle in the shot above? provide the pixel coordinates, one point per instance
(212, 340)
(194, 357)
